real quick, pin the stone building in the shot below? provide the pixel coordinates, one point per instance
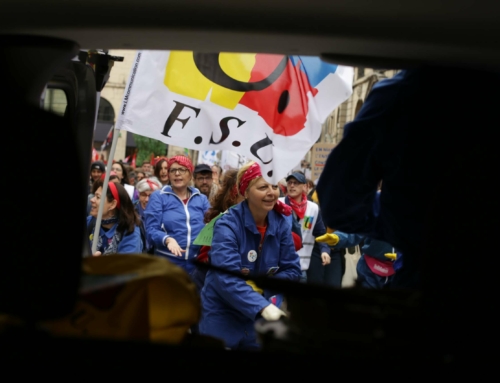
(364, 79)
(113, 95)
(333, 128)
(111, 98)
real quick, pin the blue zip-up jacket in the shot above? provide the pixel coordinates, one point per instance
(129, 243)
(230, 305)
(167, 216)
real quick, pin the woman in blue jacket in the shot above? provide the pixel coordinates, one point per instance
(119, 231)
(252, 238)
(174, 215)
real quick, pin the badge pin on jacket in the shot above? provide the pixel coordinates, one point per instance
(252, 256)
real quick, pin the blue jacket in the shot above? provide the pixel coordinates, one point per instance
(167, 216)
(230, 305)
(129, 243)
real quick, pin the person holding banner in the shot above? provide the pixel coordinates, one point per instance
(251, 238)
(174, 215)
(119, 232)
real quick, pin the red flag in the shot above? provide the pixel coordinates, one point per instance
(95, 155)
(108, 139)
(133, 159)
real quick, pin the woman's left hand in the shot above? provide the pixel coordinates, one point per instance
(174, 247)
(325, 257)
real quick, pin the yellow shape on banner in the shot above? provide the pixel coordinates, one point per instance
(183, 77)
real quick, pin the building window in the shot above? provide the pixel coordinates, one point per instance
(106, 111)
(55, 101)
(361, 72)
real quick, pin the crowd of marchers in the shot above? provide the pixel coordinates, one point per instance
(255, 228)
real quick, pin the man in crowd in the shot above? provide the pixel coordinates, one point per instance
(147, 167)
(308, 215)
(97, 168)
(203, 180)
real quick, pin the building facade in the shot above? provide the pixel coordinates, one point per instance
(113, 93)
(364, 80)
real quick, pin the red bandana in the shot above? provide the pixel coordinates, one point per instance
(152, 185)
(114, 192)
(158, 159)
(181, 160)
(254, 172)
(299, 207)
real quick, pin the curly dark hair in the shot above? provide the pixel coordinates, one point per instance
(225, 197)
(127, 215)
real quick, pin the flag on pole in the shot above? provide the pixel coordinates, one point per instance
(108, 140)
(268, 108)
(134, 158)
(95, 155)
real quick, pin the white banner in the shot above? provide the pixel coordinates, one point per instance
(268, 108)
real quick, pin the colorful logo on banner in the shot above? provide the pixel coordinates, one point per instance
(274, 86)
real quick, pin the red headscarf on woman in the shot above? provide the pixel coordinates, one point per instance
(154, 161)
(181, 160)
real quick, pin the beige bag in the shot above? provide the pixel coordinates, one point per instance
(351, 261)
(138, 297)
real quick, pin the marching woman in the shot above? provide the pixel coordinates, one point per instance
(121, 172)
(174, 215)
(161, 170)
(119, 232)
(145, 188)
(251, 238)
(227, 196)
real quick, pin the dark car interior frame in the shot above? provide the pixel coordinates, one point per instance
(44, 44)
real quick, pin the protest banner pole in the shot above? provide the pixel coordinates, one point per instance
(104, 191)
